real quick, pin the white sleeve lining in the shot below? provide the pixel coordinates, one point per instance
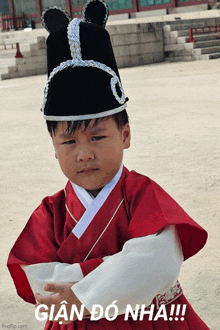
(52, 272)
(145, 267)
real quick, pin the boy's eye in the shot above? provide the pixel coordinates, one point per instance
(70, 142)
(97, 138)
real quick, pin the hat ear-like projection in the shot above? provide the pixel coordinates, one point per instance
(95, 11)
(54, 19)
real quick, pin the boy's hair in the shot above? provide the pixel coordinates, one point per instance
(120, 118)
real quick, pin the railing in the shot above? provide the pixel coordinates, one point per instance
(16, 22)
(207, 29)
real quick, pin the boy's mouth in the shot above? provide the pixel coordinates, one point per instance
(85, 170)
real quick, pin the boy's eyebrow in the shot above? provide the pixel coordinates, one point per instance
(92, 130)
(96, 129)
(65, 135)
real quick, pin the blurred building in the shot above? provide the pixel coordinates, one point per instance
(33, 8)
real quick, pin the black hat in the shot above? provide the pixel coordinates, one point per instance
(83, 79)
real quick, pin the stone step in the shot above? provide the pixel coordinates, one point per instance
(24, 62)
(33, 60)
(206, 50)
(3, 69)
(22, 36)
(22, 40)
(40, 31)
(185, 34)
(179, 58)
(5, 62)
(37, 52)
(214, 56)
(198, 38)
(208, 21)
(170, 41)
(36, 46)
(208, 36)
(172, 47)
(8, 70)
(31, 50)
(11, 43)
(189, 45)
(7, 47)
(184, 52)
(23, 70)
(207, 56)
(24, 73)
(180, 27)
(5, 53)
(176, 34)
(207, 43)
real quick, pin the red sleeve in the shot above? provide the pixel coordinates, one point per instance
(38, 244)
(150, 209)
(35, 244)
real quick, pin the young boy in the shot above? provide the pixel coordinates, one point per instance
(110, 235)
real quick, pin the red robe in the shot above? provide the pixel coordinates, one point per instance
(136, 207)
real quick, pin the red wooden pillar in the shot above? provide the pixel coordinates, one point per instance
(39, 10)
(69, 7)
(135, 5)
(12, 12)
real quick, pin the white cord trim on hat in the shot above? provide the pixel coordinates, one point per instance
(86, 5)
(90, 63)
(115, 81)
(84, 117)
(73, 36)
(75, 48)
(44, 12)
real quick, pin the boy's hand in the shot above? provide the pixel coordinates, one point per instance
(61, 292)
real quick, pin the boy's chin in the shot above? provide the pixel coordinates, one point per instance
(93, 185)
(94, 190)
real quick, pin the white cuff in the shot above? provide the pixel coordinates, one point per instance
(52, 272)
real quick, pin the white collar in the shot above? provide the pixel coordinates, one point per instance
(85, 198)
(92, 205)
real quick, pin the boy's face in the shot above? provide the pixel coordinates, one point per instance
(91, 158)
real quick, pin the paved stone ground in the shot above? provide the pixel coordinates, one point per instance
(174, 113)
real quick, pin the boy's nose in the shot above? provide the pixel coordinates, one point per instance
(85, 155)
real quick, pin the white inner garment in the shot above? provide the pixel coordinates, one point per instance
(85, 198)
(93, 206)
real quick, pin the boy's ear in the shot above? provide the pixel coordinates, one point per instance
(56, 155)
(126, 136)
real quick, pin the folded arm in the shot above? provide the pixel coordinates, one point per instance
(56, 272)
(145, 267)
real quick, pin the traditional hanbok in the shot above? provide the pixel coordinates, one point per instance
(127, 244)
